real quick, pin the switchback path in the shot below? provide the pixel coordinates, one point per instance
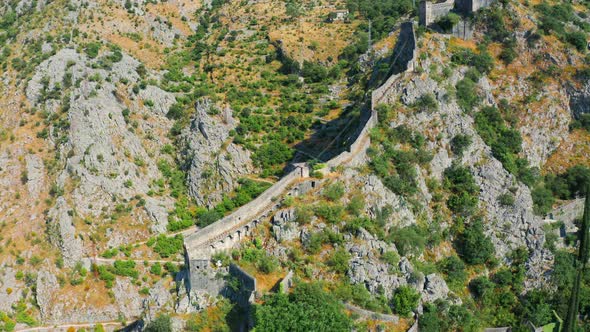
(101, 260)
(65, 327)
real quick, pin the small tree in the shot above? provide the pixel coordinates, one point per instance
(161, 324)
(405, 300)
(473, 245)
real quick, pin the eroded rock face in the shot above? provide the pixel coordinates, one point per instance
(509, 227)
(47, 287)
(107, 161)
(378, 197)
(10, 288)
(367, 269)
(214, 164)
(35, 175)
(434, 288)
(284, 228)
(62, 232)
(579, 99)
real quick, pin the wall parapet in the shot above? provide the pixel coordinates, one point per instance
(240, 217)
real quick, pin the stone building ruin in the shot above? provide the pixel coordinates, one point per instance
(430, 12)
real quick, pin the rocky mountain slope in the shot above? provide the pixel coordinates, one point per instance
(127, 125)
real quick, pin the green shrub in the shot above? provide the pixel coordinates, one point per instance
(447, 22)
(168, 246)
(460, 182)
(408, 240)
(92, 49)
(506, 199)
(473, 245)
(334, 192)
(161, 324)
(405, 300)
(467, 96)
(307, 308)
(125, 268)
(338, 261)
(332, 213)
(156, 269)
(454, 270)
(390, 257)
(543, 200)
(459, 143)
(426, 103)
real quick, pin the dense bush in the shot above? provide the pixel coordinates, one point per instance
(543, 200)
(572, 183)
(467, 96)
(583, 120)
(125, 268)
(409, 240)
(440, 316)
(506, 143)
(168, 246)
(394, 166)
(338, 261)
(464, 191)
(482, 61)
(271, 155)
(426, 103)
(405, 300)
(334, 192)
(459, 143)
(383, 14)
(360, 296)
(473, 245)
(307, 308)
(263, 261)
(162, 323)
(447, 22)
(454, 270)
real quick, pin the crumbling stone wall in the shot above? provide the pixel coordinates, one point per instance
(407, 60)
(429, 12)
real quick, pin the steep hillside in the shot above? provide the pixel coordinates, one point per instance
(127, 126)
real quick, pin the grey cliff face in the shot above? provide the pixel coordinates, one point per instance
(213, 163)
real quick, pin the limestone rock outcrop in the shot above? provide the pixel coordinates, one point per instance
(214, 164)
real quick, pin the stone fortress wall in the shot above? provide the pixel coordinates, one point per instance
(408, 57)
(230, 230)
(430, 11)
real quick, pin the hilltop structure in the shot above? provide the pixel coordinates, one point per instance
(430, 11)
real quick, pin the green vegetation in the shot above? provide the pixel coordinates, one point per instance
(506, 143)
(168, 246)
(464, 191)
(426, 103)
(473, 245)
(405, 300)
(447, 22)
(394, 166)
(459, 143)
(560, 19)
(583, 121)
(260, 258)
(440, 316)
(162, 323)
(384, 14)
(307, 308)
(454, 270)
